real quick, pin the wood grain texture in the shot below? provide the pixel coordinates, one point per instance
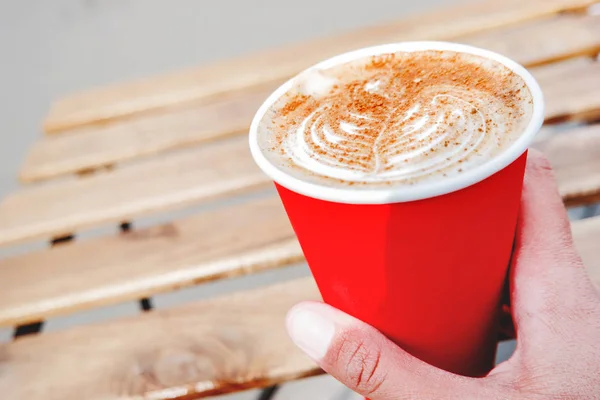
(159, 184)
(112, 102)
(216, 346)
(542, 41)
(571, 89)
(205, 348)
(227, 242)
(575, 157)
(90, 147)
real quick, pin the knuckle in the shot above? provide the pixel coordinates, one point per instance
(540, 163)
(362, 363)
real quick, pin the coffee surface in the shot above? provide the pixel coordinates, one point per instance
(395, 119)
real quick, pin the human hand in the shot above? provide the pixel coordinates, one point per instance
(556, 312)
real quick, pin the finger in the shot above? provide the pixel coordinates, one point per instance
(544, 237)
(368, 363)
(548, 276)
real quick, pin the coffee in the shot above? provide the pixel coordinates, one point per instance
(395, 119)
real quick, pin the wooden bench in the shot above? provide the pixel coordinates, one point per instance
(113, 156)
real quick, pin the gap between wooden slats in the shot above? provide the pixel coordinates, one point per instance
(36, 324)
(145, 303)
(230, 241)
(572, 90)
(549, 39)
(205, 348)
(275, 65)
(34, 327)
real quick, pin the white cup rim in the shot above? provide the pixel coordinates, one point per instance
(401, 193)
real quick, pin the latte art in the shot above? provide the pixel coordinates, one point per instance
(396, 119)
(408, 145)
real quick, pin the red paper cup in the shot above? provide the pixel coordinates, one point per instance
(423, 264)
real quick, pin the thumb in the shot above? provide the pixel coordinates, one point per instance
(367, 362)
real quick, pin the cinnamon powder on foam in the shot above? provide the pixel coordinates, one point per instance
(405, 76)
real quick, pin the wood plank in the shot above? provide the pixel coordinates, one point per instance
(200, 349)
(542, 41)
(571, 89)
(159, 184)
(91, 147)
(206, 348)
(88, 147)
(227, 242)
(117, 101)
(575, 157)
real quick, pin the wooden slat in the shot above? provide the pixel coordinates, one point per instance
(206, 348)
(543, 41)
(87, 147)
(227, 242)
(156, 185)
(572, 90)
(576, 160)
(218, 169)
(94, 146)
(274, 65)
(223, 243)
(210, 347)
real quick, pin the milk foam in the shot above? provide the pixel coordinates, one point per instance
(395, 119)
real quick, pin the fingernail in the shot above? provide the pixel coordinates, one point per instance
(310, 331)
